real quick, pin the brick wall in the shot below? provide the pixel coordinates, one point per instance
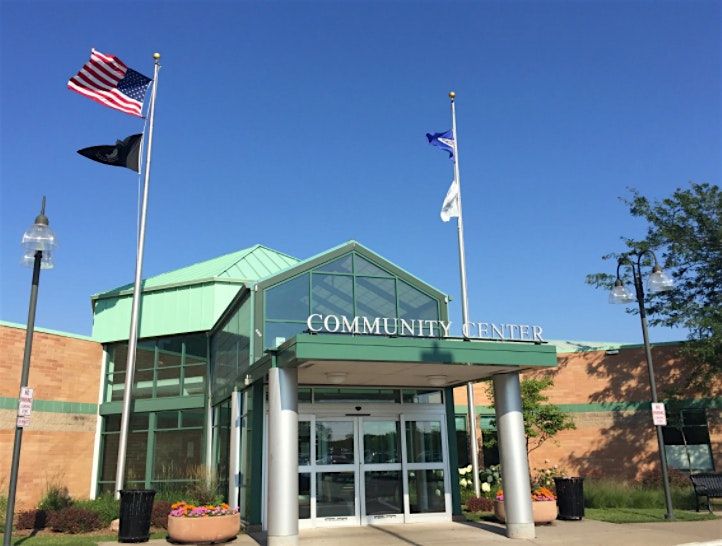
(620, 442)
(57, 447)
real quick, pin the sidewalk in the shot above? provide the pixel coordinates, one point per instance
(587, 532)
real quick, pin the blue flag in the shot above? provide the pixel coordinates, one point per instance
(445, 141)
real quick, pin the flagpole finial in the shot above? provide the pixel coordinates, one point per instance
(156, 56)
(452, 95)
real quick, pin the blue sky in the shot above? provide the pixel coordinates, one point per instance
(301, 125)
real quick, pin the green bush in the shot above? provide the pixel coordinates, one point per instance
(105, 506)
(74, 520)
(56, 498)
(609, 493)
(480, 504)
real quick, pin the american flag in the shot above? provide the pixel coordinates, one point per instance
(107, 80)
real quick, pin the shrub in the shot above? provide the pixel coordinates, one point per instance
(106, 506)
(31, 519)
(74, 520)
(479, 504)
(491, 475)
(159, 517)
(56, 498)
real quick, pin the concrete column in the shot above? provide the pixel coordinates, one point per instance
(514, 462)
(282, 498)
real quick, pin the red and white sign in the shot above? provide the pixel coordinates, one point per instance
(659, 415)
(23, 421)
(25, 407)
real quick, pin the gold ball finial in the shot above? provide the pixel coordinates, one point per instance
(156, 56)
(452, 95)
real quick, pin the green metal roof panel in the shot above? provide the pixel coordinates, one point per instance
(249, 264)
(164, 312)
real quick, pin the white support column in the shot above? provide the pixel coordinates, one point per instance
(282, 498)
(234, 459)
(514, 461)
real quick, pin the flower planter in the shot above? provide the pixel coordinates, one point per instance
(542, 511)
(203, 529)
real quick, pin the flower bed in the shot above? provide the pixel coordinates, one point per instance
(543, 506)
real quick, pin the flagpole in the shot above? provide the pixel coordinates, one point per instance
(464, 301)
(133, 337)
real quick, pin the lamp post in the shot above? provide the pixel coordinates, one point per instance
(38, 241)
(658, 282)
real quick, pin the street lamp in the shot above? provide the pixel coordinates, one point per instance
(658, 281)
(38, 242)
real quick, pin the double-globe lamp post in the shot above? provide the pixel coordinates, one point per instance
(658, 282)
(39, 242)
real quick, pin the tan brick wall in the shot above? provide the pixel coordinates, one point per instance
(57, 448)
(612, 442)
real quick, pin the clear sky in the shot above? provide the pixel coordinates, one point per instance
(302, 125)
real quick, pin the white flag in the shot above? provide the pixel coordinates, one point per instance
(450, 208)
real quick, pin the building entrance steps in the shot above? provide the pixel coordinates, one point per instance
(586, 532)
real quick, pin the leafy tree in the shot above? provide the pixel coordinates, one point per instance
(542, 420)
(685, 232)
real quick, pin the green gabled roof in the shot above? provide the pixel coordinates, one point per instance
(249, 264)
(344, 248)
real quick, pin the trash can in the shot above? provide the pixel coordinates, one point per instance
(570, 497)
(136, 509)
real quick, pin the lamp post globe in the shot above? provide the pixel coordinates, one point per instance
(38, 243)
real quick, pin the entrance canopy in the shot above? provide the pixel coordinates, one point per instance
(331, 359)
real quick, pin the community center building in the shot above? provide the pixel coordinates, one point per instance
(329, 389)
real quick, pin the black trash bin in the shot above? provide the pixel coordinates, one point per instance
(136, 509)
(570, 497)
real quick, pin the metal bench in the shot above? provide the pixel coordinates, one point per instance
(707, 484)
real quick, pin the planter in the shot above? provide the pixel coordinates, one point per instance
(542, 511)
(204, 529)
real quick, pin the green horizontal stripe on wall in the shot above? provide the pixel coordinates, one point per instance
(709, 403)
(52, 406)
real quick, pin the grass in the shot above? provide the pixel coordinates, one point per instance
(609, 493)
(45, 538)
(643, 515)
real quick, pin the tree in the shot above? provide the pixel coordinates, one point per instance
(542, 420)
(685, 232)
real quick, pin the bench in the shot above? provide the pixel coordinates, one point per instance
(707, 484)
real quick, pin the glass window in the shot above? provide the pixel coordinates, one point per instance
(426, 491)
(112, 423)
(334, 442)
(143, 384)
(340, 265)
(278, 332)
(170, 352)
(196, 349)
(381, 442)
(375, 297)
(414, 304)
(135, 456)
(194, 380)
(177, 454)
(425, 396)
(687, 441)
(304, 395)
(193, 418)
(383, 492)
(332, 295)
(120, 357)
(423, 442)
(304, 442)
(304, 495)
(168, 382)
(364, 267)
(166, 419)
(334, 394)
(335, 494)
(145, 355)
(288, 300)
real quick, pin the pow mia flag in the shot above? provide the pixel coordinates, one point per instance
(125, 153)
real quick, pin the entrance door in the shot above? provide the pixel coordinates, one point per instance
(381, 469)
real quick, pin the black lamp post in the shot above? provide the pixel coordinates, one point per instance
(39, 241)
(658, 282)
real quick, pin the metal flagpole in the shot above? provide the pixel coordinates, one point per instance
(464, 301)
(133, 337)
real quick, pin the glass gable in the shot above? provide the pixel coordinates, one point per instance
(349, 286)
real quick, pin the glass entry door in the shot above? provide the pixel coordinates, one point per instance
(361, 470)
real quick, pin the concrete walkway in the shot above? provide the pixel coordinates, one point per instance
(587, 532)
